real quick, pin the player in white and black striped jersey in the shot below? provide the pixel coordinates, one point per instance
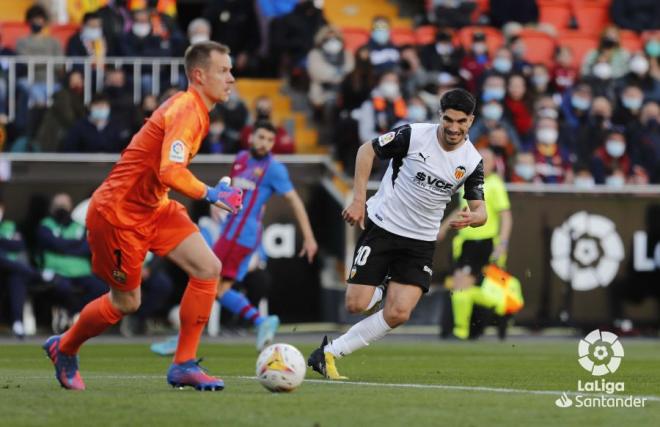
(428, 164)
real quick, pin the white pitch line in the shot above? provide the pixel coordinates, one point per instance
(464, 388)
(371, 384)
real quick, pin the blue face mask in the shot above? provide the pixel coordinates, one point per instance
(632, 103)
(492, 111)
(380, 35)
(416, 113)
(653, 48)
(525, 171)
(502, 65)
(99, 114)
(580, 103)
(493, 93)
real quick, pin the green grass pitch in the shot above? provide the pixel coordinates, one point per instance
(392, 383)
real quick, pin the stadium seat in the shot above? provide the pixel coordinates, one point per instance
(631, 41)
(12, 31)
(579, 43)
(63, 32)
(425, 35)
(555, 13)
(591, 16)
(403, 36)
(354, 37)
(494, 38)
(540, 47)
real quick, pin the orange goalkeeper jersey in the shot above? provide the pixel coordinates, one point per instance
(155, 161)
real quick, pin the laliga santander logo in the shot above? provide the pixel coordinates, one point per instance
(586, 251)
(600, 353)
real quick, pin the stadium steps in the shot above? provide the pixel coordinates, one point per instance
(358, 13)
(295, 122)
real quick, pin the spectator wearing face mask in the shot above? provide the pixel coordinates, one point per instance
(383, 54)
(122, 109)
(583, 180)
(383, 110)
(492, 117)
(235, 115)
(442, 55)
(591, 135)
(575, 106)
(34, 94)
(502, 63)
(412, 74)
(540, 83)
(141, 40)
(215, 141)
(68, 106)
(610, 54)
(494, 88)
(64, 250)
(96, 133)
(524, 169)
(475, 62)
(327, 65)
(640, 75)
(627, 112)
(610, 157)
(263, 111)
(649, 142)
(551, 160)
(518, 49)
(417, 111)
(652, 50)
(357, 85)
(89, 40)
(601, 80)
(564, 73)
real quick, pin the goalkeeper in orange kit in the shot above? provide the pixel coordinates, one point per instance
(131, 214)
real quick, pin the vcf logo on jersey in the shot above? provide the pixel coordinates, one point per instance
(459, 172)
(432, 183)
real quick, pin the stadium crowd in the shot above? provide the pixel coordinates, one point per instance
(586, 119)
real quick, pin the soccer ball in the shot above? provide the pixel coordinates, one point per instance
(281, 367)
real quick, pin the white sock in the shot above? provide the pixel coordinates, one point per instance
(375, 298)
(360, 335)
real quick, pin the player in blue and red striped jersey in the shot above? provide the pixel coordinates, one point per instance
(260, 176)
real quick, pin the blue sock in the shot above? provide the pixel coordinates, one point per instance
(237, 303)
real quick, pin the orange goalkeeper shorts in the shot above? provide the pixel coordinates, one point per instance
(118, 253)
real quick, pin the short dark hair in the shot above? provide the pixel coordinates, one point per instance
(89, 16)
(198, 54)
(264, 124)
(36, 11)
(458, 99)
(98, 98)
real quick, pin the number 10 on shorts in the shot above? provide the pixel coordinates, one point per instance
(361, 256)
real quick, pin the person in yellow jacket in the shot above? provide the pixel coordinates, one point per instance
(475, 248)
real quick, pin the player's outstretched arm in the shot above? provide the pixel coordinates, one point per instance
(364, 161)
(310, 247)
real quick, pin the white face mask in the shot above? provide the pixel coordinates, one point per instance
(479, 48)
(141, 29)
(525, 171)
(584, 182)
(547, 135)
(639, 65)
(416, 113)
(198, 38)
(389, 90)
(503, 65)
(492, 111)
(333, 46)
(444, 48)
(615, 181)
(602, 70)
(615, 148)
(91, 34)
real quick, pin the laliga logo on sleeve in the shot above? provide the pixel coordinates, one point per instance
(600, 353)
